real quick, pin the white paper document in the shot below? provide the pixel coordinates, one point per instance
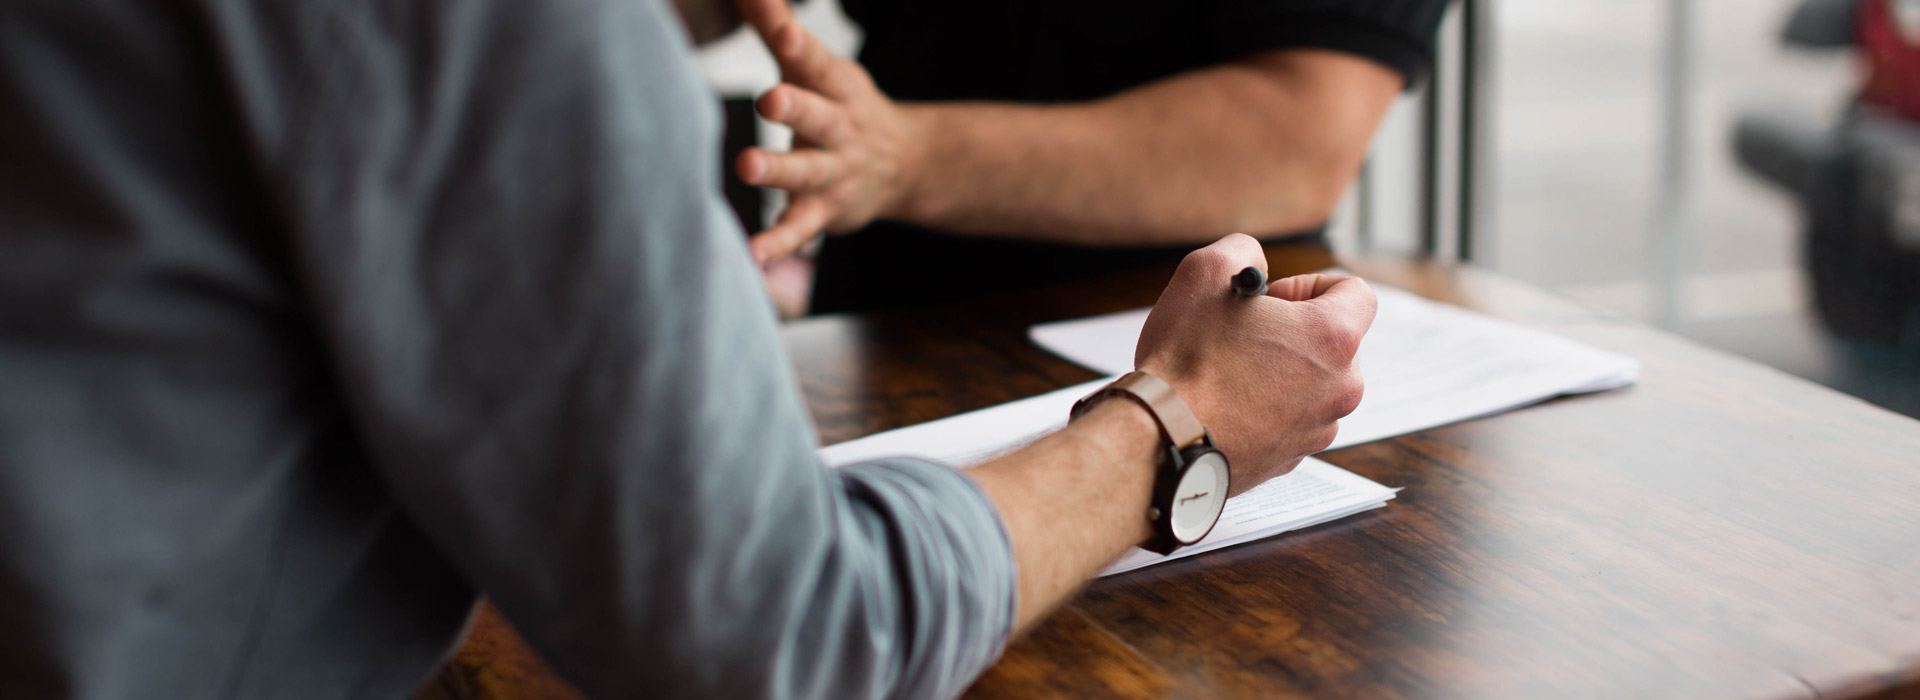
(1426, 364)
(1314, 493)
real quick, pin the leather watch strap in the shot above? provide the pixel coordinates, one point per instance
(1177, 423)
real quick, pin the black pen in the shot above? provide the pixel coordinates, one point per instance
(1251, 282)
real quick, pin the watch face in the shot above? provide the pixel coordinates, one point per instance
(1199, 498)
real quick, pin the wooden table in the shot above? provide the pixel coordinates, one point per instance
(1718, 530)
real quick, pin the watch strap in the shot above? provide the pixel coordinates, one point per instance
(1182, 438)
(1178, 426)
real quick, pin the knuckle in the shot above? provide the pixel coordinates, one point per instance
(812, 172)
(1213, 259)
(1327, 332)
(829, 169)
(1352, 389)
(799, 106)
(1242, 246)
(1367, 304)
(1229, 253)
(1324, 437)
(798, 175)
(773, 171)
(1347, 342)
(1204, 261)
(1366, 291)
(1338, 336)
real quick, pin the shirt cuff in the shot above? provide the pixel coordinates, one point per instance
(955, 559)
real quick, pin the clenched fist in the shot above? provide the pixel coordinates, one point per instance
(1269, 376)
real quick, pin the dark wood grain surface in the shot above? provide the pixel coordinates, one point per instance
(1718, 530)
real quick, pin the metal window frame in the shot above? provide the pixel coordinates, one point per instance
(1451, 157)
(1458, 91)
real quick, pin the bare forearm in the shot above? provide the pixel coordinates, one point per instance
(1264, 145)
(1074, 501)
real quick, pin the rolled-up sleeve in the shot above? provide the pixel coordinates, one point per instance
(1398, 34)
(555, 350)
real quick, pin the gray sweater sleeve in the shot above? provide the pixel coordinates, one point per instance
(557, 352)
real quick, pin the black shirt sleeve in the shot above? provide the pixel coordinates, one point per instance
(1397, 33)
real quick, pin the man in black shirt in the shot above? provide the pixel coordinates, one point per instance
(1034, 142)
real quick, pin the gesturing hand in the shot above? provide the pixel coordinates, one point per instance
(1268, 376)
(853, 149)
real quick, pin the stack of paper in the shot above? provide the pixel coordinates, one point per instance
(1314, 493)
(1426, 364)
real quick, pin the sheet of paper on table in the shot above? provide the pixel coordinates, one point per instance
(1426, 364)
(1314, 493)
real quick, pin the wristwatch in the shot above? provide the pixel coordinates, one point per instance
(1190, 487)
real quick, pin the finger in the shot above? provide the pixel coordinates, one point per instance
(1246, 246)
(1347, 298)
(806, 62)
(802, 220)
(796, 171)
(766, 16)
(1303, 287)
(1221, 259)
(789, 281)
(812, 117)
(802, 57)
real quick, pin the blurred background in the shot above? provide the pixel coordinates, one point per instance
(1702, 165)
(1631, 145)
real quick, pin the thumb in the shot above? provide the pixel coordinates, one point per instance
(1304, 287)
(1344, 296)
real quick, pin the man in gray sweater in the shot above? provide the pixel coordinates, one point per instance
(319, 318)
